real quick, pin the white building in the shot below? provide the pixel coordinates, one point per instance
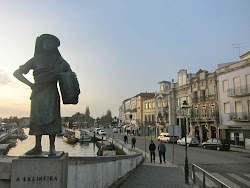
(234, 100)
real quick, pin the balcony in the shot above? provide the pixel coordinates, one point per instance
(127, 110)
(240, 91)
(134, 110)
(213, 117)
(211, 97)
(239, 116)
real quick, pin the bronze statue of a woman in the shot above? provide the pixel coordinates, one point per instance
(48, 66)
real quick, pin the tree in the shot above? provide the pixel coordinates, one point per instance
(87, 112)
(107, 118)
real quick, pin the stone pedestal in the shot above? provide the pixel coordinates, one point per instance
(39, 172)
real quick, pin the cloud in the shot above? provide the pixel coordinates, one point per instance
(4, 78)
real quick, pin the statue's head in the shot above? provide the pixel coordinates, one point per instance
(46, 42)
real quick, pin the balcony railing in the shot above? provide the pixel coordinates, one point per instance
(134, 110)
(239, 91)
(213, 117)
(239, 116)
(128, 110)
(211, 97)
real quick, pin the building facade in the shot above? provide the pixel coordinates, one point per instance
(204, 106)
(234, 100)
(182, 93)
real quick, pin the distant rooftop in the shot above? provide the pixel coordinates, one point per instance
(226, 64)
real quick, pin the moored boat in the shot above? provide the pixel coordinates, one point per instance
(69, 139)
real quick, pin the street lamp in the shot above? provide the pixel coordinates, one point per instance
(184, 109)
(151, 131)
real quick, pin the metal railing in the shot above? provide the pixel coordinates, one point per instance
(239, 116)
(238, 91)
(203, 179)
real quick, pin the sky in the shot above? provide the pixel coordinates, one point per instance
(118, 48)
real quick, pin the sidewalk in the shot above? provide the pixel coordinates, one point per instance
(242, 150)
(155, 175)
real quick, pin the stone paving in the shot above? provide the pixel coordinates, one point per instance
(154, 175)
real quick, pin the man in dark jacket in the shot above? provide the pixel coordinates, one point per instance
(152, 148)
(133, 142)
(162, 150)
(125, 139)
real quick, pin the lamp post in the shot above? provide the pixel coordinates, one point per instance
(151, 131)
(97, 121)
(184, 109)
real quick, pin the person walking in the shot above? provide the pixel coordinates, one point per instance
(152, 148)
(162, 151)
(125, 139)
(133, 142)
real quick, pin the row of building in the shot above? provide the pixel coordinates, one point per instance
(219, 104)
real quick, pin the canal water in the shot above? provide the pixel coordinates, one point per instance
(75, 149)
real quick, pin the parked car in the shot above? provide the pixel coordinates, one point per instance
(215, 143)
(102, 132)
(191, 141)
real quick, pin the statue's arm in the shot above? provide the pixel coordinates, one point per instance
(21, 78)
(24, 69)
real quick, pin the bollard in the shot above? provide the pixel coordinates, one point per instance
(193, 172)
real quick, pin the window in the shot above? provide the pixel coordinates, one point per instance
(225, 85)
(210, 89)
(196, 111)
(162, 88)
(248, 83)
(202, 95)
(165, 103)
(203, 111)
(149, 105)
(231, 136)
(149, 118)
(159, 102)
(195, 96)
(212, 110)
(146, 105)
(227, 108)
(236, 85)
(153, 105)
(238, 109)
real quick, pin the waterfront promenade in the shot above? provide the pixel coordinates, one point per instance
(149, 175)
